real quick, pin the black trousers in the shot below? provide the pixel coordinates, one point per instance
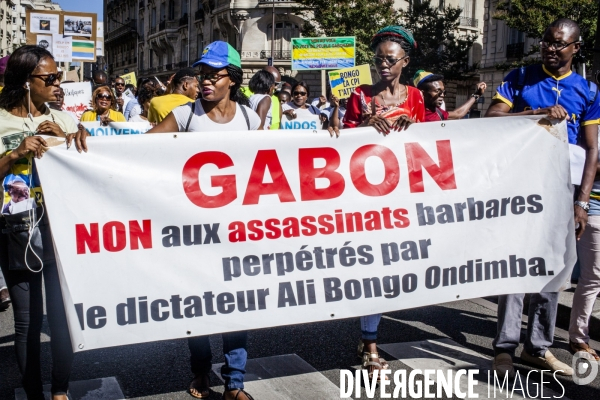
(25, 289)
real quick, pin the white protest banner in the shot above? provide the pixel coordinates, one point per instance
(185, 234)
(78, 97)
(117, 128)
(62, 48)
(302, 121)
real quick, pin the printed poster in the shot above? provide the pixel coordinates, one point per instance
(77, 26)
(344, 81)
(130, 78)
(62, 48)
(20, 192)
(44, 41)
(323, 53)
(44, 23)
(78, 97)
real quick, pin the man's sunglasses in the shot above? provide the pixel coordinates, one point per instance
(49, 79)
(104, 96)
(300, 93)
(212, 78)
(390, 61)
(556, 46)
(119, 84)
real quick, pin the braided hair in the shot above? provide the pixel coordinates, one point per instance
(397, 34)
(237, 76)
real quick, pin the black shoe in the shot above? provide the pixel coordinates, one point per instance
(4, 299)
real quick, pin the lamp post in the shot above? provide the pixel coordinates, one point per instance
(273, 34)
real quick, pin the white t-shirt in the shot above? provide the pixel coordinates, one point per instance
(137, 118)
(202, 123)
(255, 99)
(310, 113)
(135, 111)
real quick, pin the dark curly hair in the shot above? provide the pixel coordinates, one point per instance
(146, 93)
(19, 67)
(237, 76)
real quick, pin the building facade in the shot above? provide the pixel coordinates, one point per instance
(6, 33)
(157, 37)
(501, 46)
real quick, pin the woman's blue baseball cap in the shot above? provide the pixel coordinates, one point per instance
(219, 55)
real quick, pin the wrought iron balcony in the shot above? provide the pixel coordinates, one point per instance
(199, 15)
(124, 31)
(162, 25)
(152, 30)
(472, 22)
(515, 50)
(278, 54)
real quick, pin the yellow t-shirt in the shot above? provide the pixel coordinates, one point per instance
(161, 106)
(90, 116)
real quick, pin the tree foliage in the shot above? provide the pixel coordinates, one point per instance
(533, 16)
(359, 18)
(441, 48)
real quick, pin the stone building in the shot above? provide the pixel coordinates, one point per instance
(6, 33)
(501, 46)
(157, 37)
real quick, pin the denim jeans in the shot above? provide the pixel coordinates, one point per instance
(540, 324)
(234, 349)
(368, 326)
(25, 290)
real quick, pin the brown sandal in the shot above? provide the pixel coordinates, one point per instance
(373, 360)
(200, 386)
(577, 347)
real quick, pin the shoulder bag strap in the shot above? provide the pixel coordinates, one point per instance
(189, 121)
(245, 116)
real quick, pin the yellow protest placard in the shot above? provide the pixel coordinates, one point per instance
(344, 81)
(130, 78)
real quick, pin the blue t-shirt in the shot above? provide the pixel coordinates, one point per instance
(541, 90)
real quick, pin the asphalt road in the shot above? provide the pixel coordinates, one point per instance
(160, 370)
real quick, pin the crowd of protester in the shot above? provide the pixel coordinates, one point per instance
(210, 97)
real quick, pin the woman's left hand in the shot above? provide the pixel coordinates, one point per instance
(79, 138)
(51, 129)
(402, 123)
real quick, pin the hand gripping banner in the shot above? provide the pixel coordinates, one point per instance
(168, 236)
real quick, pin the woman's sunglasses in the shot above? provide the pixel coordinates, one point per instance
(49, 79)
(300, 93)
(104, 96)
(212, 78)
(390, 61)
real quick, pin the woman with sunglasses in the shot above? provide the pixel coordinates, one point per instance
(32, 80)
(105, 104)
(221, 107)
(387, 105)
(299, 107)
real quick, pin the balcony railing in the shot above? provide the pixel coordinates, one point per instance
(129, 28)
(152, 30)
(199, 14)
(278, 54)
(515, 50)
(162, 25)
(183, 20)
(182, 64)
(169, 67)
(472, 22)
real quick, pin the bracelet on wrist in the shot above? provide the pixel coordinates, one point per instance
(583, 204)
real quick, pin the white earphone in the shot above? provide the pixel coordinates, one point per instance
(27, 84)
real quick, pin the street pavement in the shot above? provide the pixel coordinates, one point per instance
(304, 361)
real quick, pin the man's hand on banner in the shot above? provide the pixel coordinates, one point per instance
(290, 113)
(79, 138)
(51, 129)
(581, 218)
(554, 112)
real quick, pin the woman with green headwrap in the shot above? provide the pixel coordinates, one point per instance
(387, 105)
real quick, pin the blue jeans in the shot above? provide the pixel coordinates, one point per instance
(234, 349)
(368, 326)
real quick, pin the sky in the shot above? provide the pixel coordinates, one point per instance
(91, 6)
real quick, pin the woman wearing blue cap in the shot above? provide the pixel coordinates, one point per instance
(221, 107)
